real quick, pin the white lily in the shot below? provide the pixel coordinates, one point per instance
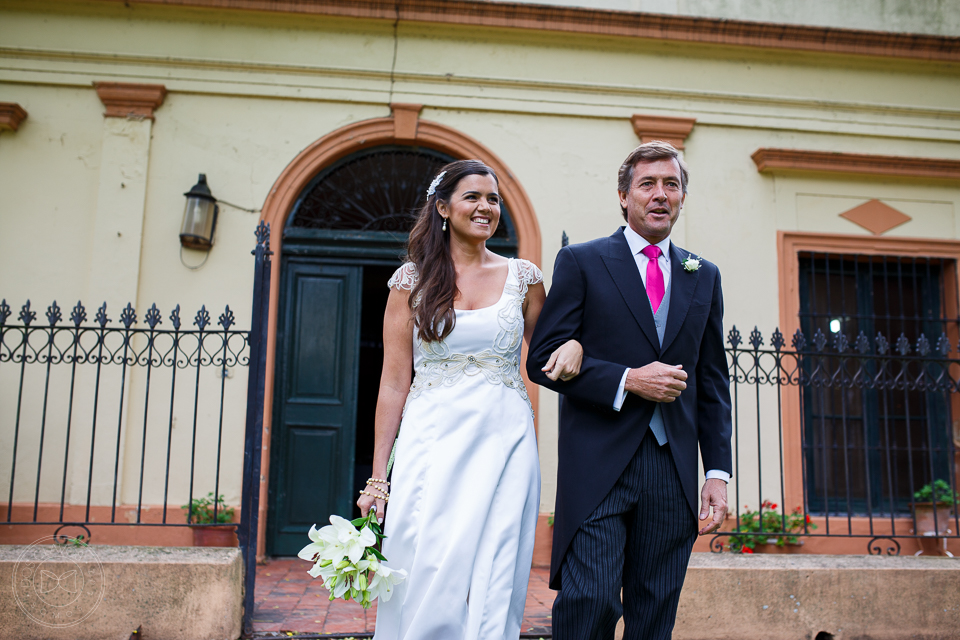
(315, 549)
(384, 580)
(348, 561)
(323, 569)
(354, 542)
(341, 586)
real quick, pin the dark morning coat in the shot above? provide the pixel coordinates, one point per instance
(598, 298)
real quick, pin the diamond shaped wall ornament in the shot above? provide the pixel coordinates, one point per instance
(876, 217)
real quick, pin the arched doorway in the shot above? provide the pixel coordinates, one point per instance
(402, 127)
(341, 242)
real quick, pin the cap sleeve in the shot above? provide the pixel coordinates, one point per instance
(405, 277)
(528, 273)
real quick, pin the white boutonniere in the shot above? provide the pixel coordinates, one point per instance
(691, 264)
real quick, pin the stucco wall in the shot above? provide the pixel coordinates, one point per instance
(247, 92)
(938, 17)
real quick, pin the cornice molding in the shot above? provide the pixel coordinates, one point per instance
(602, 22)
(135, 101)
(11, 115)
(666, 128)
(797, 160)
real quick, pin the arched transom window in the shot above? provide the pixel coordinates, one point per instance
(377, 189)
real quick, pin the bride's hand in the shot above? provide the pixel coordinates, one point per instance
(365, 502)
(564, 363)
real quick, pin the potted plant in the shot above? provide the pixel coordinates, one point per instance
(200, 512)
(936, 497)
(780, 533)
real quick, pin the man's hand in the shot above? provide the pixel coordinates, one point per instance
(713, 494)
(657, 382)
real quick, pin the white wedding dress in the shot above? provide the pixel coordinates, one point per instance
(466, 479)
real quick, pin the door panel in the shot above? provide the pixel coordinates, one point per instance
(310, 449)
(314, 399)
(317, 338)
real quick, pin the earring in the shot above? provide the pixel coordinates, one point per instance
(444, 224)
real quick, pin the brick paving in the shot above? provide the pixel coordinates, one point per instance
(289, 600)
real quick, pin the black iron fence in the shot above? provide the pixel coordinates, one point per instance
(842, 438)
(101, 413)
(833, 437)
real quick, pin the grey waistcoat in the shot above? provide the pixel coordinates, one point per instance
(660, 319)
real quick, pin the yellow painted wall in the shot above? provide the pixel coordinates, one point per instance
(248, 92)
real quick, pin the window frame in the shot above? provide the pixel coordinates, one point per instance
(790, 246)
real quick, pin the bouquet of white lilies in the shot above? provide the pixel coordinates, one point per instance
(345, 554)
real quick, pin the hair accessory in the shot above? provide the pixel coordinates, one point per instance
(444, 224)
(432, 189)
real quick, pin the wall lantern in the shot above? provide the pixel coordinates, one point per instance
(199, 217)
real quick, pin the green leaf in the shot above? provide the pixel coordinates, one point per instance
(377, 554)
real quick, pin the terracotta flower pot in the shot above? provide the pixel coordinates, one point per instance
(923, 511)
(215, 537)
(774, 548)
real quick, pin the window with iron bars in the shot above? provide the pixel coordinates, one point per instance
(872, 435)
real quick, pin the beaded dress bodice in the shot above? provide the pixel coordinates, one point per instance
(484, 343)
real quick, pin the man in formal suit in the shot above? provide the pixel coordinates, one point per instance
(652, 388)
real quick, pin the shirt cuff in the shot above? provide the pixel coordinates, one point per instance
(718, 474)
(621, 392)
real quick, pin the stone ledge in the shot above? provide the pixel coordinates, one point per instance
(733, 597)
(171, 592)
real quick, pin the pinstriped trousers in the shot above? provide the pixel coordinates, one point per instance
(640, 537)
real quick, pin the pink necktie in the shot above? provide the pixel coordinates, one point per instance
(655, 286)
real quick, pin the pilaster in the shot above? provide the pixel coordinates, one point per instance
(118, 226)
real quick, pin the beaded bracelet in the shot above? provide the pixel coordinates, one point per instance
(377, 481)
(385, 498)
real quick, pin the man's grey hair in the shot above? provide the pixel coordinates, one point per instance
(649, 152)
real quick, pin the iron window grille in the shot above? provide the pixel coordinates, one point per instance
(869, 447)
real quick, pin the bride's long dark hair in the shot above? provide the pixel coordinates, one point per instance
(429, 249)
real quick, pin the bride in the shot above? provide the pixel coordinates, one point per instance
(465, 487)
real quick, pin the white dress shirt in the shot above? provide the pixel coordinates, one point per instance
(637, 244)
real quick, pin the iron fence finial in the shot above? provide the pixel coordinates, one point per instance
(53, 314)
(101, 317)
(128, 316)
(923, 345)
(777, 341)
(152, 317)
(26, 315)
(863, 343)
(903, 345)
(226, 319)
(883, 345)
(798, 342)
(79, 314)
(840, 342)
(819, 340)
(202, 319)
(943, 345)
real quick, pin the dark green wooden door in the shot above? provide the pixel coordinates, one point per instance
(315, 397)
